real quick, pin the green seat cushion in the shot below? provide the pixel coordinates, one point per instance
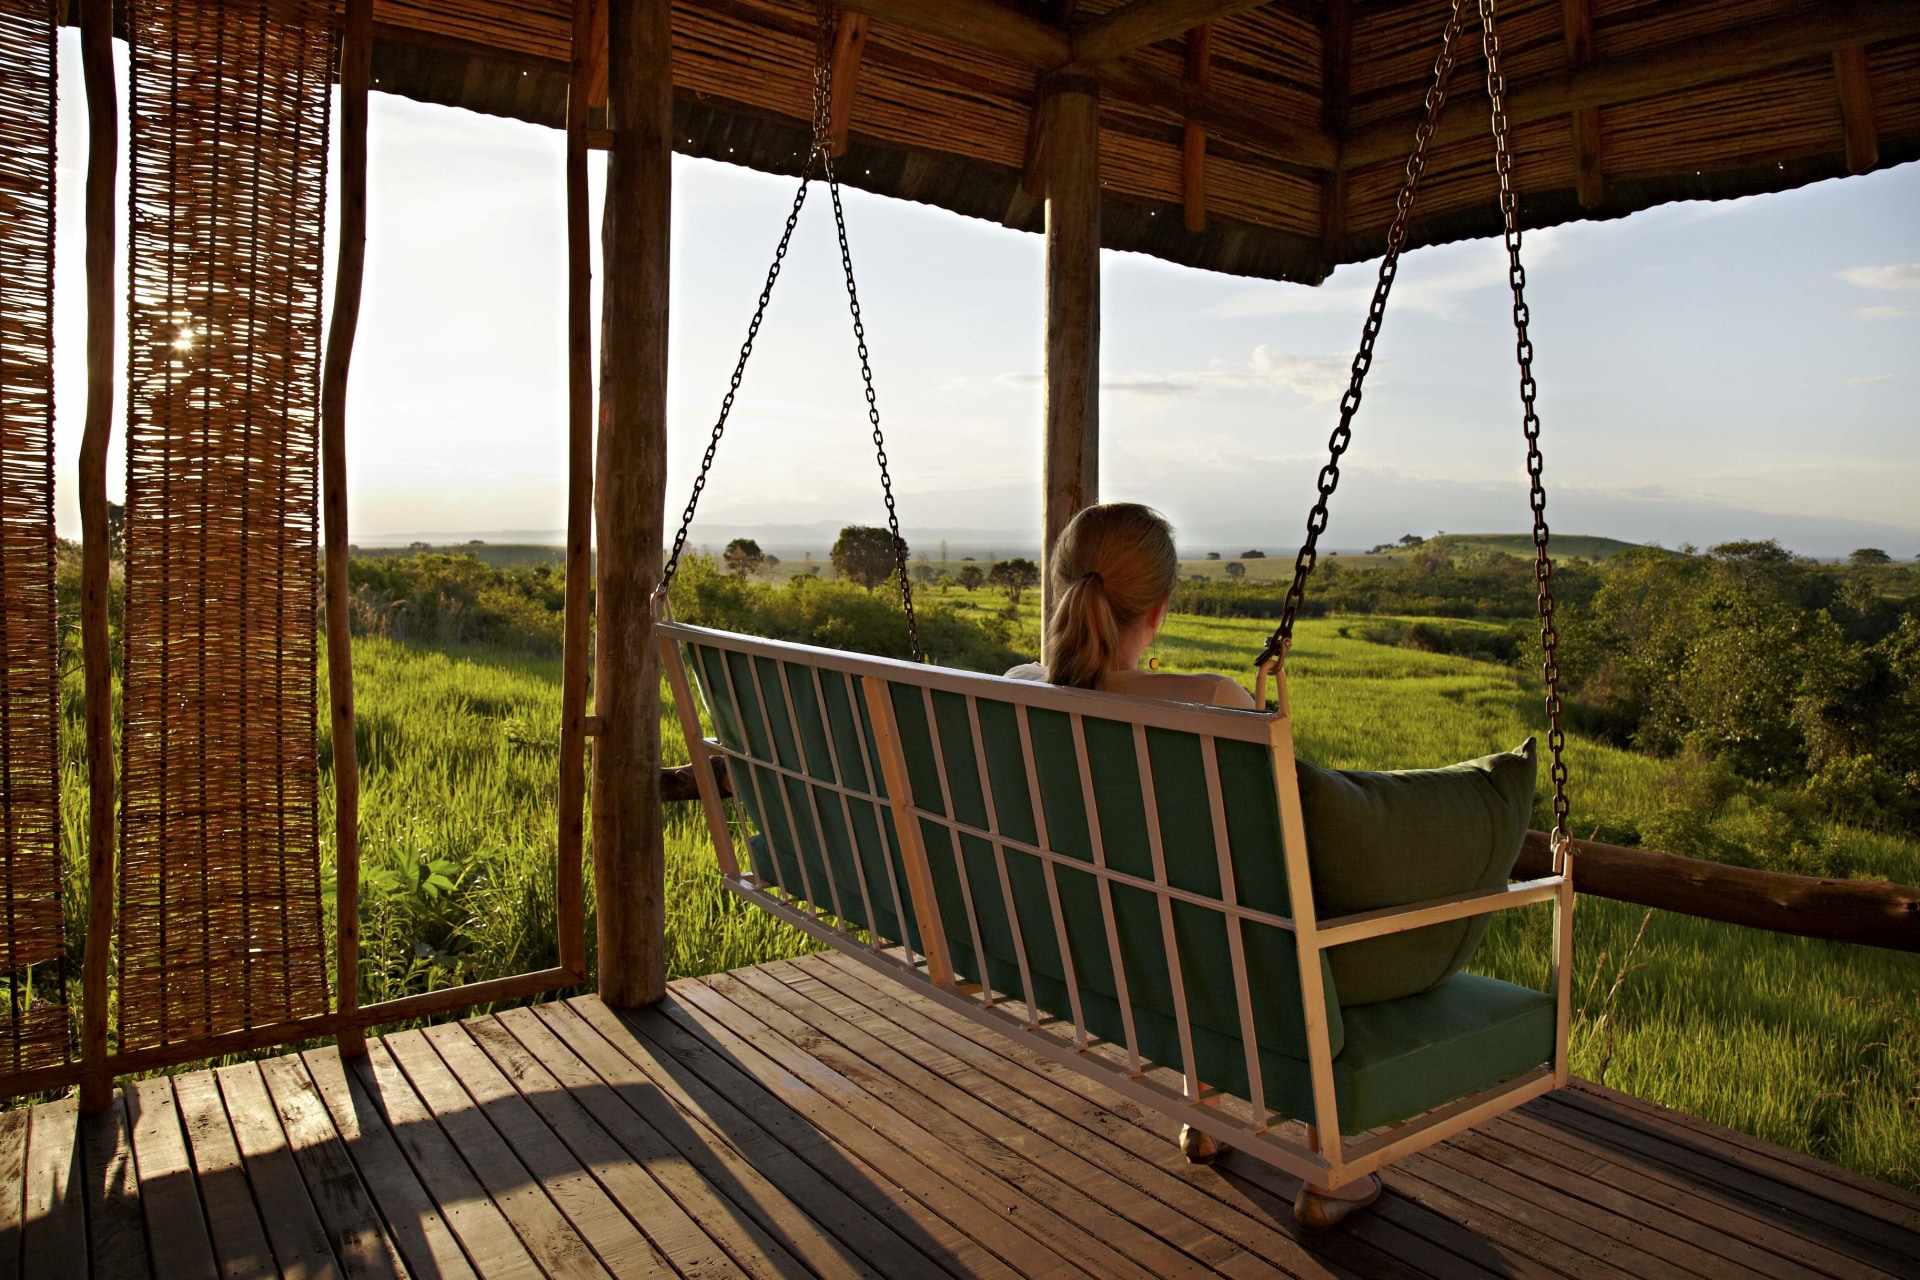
(1378, 840)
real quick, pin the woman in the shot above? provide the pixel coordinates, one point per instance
(1114, 570)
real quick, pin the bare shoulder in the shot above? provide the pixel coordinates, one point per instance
(1229, 692)
(1206, 688)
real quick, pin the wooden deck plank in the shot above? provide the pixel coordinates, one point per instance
(293, 1225)
(1367, 1245)
(485, 1235)
(1166, 1243)
(620, 1245)
(1591, 1177)
(347, 1213)
(1453, 1197)
(177, 1235)
(847, 1161)
(656, 1185)
(1122, 1171)
(414, 1222)
(1860, 1238)
(834, 1234)
(969, 1196)
(240, 1244)
(1896, 1205)
(54, 1226)
(116, 1236)
(537, 1220)
(14, 1126)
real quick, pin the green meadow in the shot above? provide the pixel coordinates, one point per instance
(1812, 1045)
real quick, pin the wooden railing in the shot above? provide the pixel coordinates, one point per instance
(1874, 913)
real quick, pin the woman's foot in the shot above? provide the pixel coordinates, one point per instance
(1317, 1208)
(1198, 1147)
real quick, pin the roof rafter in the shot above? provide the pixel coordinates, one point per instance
(1144, 22)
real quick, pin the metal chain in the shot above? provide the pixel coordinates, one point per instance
(1363, 360)
(1530, 422)
(819, 153)
(823, 147)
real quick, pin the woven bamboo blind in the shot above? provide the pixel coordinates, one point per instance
(220, 911)
(36, 1028)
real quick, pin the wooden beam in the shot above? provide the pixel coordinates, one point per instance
(1872, 913)
(1193, 142)
(979, 23)
(103, 159)
(1071, 477)
(1144, 22)
(589, 47)
(630, 503)
(1303, 144)
(849, 43)
(1336, 74)
(1685, 64)
(1589, 183)
(1856, 108)
(356, 74)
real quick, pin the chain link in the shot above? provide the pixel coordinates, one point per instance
(819, 154)
(1363, 360)
(1530, 421)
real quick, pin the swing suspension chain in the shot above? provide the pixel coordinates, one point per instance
(1329, 478)
(1530, 422)
(820, 153)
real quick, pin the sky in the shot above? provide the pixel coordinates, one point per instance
(1708, 371)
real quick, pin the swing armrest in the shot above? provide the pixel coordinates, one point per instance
(1374, 924)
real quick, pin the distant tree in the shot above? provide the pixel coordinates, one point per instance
(970, 576)
(1869, 555)
(1014, 577)
(1213, 555)
(1255, 554)
(116, 531)
(1412, 540)
(476, 542)
(866, 555)
(1235, 569)
(744, 557)
(924, 572)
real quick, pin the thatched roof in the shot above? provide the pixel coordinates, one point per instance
(1308, 112)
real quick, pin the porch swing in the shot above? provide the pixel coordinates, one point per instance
(1158, 895)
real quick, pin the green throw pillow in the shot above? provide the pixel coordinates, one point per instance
(1379, 840)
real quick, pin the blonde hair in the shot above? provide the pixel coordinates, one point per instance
(1113, 564)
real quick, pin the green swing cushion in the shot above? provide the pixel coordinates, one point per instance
(1380, 840)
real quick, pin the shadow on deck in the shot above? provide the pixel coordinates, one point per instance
(804, 1119)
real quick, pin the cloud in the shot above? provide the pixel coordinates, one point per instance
(1897, 276)
(1868, 379)
(1319, 378)
(1887, 313)
(1443, 277)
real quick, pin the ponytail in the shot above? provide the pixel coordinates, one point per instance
(1112, 565)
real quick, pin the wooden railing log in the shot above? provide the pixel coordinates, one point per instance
(1874, 913)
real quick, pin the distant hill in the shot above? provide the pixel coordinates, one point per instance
(498, 555)
(1584, 546)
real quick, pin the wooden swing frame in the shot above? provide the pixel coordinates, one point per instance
(1323, 1156)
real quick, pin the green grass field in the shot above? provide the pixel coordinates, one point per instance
(1813, 1045)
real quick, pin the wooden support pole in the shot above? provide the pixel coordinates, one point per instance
(103, 158)
(356, 74)
(1589, 183)
(630, 504)
(1071, 480)
(849, 43)
(1856, 108)
(1193, 143)
(570, 905)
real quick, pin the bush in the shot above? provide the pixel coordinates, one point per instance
(439, 599)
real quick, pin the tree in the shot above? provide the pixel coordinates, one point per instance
(1014, 577)
(866, 555)
(744, 557)
(1255, 554)
(1235, 569)
(1869, 555)
(1213, 555)
(970, 576)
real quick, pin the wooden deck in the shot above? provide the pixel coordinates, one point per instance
(809, 1119)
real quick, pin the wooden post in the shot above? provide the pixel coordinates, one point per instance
(1856, 108)
(356, 72)
(1070, 114)
(849, 44)
(1589, 183)
(1193, 148)
(103, 159)
(630, 502)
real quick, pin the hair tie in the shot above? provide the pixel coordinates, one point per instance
(1092, 576)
